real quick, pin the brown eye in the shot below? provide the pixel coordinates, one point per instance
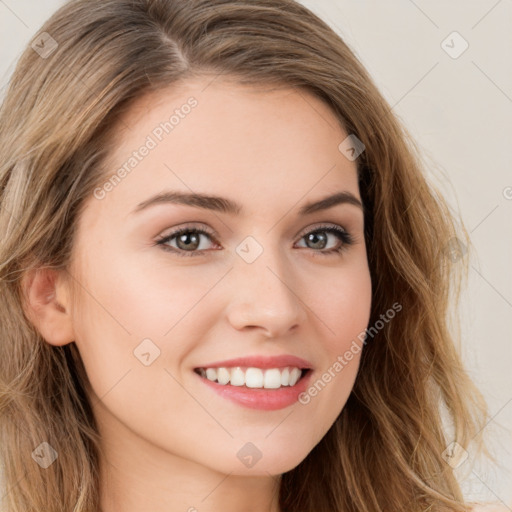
(187, 240)
(318, 239)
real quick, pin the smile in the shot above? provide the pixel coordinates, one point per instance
(251, 377)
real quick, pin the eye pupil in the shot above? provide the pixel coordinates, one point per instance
(183, 237)
(313, 237)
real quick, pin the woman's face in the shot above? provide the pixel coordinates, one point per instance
(263, 281)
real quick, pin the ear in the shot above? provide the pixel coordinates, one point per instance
(47, 305)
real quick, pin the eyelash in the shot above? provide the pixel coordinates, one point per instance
(342, 235)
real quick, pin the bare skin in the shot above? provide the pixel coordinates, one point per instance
(169, 442)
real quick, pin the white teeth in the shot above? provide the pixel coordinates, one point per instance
(223, 375)
(237, 377)
(211, 374)
(271, 378)
(294, 376)
(254, 378)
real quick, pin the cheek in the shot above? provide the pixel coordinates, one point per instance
(344, 312)
(342, 307)
(349, 319)
(132, 312)
(139, 296)
(128, 361)
(154, 294)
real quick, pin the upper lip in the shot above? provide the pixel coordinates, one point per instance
(261, 362)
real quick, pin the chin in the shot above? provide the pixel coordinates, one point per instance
(267, 461)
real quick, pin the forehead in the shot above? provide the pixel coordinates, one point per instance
(225, 138)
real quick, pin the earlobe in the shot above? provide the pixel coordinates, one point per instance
(46, 304)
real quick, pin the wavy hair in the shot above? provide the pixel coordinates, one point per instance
(412, 396)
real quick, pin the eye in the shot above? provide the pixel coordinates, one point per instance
(319, 239)
(187, 241)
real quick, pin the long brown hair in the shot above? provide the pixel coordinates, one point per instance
(91, 59)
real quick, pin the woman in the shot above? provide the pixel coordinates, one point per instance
(225, 280)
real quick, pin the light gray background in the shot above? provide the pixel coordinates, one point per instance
(460, 112)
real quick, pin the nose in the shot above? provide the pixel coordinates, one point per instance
(264, 296)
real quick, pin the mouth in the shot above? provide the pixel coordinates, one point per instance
(253, 377)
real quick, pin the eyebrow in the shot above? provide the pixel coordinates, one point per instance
(223, 205)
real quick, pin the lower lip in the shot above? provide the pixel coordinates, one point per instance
(261, 398)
